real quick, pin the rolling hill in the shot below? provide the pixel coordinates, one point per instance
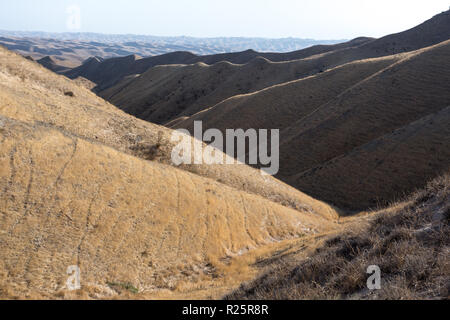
(51, 64)
(85, 45)
(340, 114)
(79, 186)
(278, 105)
(164, 94)
(99, 121)
(125, 66)
(363, 124)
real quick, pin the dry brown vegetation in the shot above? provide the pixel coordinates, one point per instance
(165, 93)
(66, 201)
(410, 242)
(390, 130)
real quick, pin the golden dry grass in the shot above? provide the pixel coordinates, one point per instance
(66, 201)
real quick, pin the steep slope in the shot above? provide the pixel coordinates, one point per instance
(108, 72)
(79, 187)
(278, 105)
(165, 93)
(396, 96)
(385, 168)
(31, 93)
(67, 201)
(350, 107)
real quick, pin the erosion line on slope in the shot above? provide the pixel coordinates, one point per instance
(245, 219)
(169, 222)
(12, 169)
(59, 178)
(88, 217)
(184, 223)
(26, 205)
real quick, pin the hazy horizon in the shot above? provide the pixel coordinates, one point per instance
(162, 36)
(307, 19)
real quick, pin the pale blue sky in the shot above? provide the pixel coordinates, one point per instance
(319, 19)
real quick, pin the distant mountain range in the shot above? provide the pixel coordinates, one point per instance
(43, 44)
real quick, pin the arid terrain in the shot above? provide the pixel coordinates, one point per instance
(144, 209)
(87, 180)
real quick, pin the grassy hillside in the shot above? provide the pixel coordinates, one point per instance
(277, 106)
(384, 169)
(106, 73)
(67, 201)
(363, 124)
(397, 96)
(408, 241)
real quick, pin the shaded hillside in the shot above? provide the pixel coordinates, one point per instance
(384, 169)
(51, 64)
(431, 32)
(126, 66)
(277, 106)
(349, 107)
(184, 91)
(106, 73)
(397, 96)
(409, 242)
(82, 183)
